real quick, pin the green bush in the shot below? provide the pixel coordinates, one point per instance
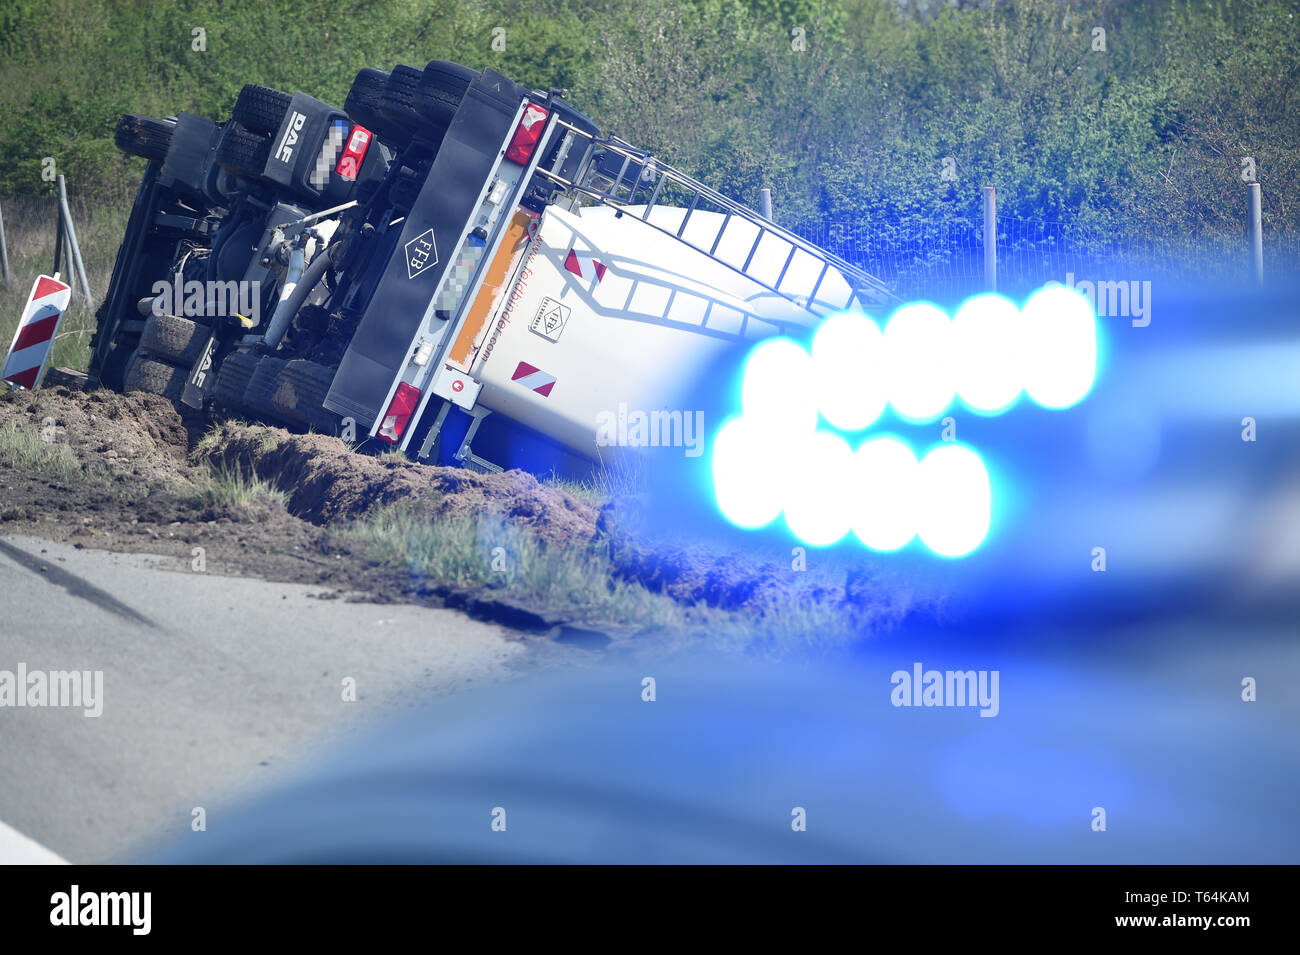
(1141, 141)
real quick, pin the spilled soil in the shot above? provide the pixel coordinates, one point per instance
(122, 471)
(327, 483)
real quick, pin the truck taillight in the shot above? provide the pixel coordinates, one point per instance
(526, 134)
(354, 153)
(398, 416)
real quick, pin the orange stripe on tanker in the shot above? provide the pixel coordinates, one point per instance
(512, 245)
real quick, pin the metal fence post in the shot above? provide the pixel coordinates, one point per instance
(765, 203)
(1256, 232)
(67, 249)
(71, 233)
(990, 238)
(60, 246)
(4, 252)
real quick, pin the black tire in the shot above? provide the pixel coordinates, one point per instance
(400, 101)
(299, 395)
(260, 108)
(242, 152)
(365, 104)
(259, 395)
(155, 377)
(442, 86)
(144, 136)
(232, 380)
(173, 339)
(116, 361)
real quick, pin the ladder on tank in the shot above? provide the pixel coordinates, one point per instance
(617, 174)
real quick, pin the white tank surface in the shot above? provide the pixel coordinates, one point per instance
(609, 313)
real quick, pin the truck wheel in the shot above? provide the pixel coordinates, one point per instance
(232, 380)
(260, 109)
(242, 152)
(173, 339)
(400, 107)
(365, 105)
(299, 395)
(143, 136)
(258, 396)
(155, 377)
(442, 86)
(116, 361)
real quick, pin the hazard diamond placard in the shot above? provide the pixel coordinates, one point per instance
(34, 337)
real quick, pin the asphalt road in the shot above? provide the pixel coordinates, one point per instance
(216, 689)
(212, 687)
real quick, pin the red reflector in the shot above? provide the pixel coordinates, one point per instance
(354, 154)
(399, 413)
(526, 134)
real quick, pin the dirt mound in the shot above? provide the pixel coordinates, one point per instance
(863, 594)
(138, 434)
(326, 483)
(685, 572)
(128, 472)
(112, 471)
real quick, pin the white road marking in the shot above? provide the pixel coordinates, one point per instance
(18, 849)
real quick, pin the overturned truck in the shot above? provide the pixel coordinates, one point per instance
(451, 264)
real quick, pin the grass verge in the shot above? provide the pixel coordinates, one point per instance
(27, 449)
(486, 551)
(581, 584)
(221, 488)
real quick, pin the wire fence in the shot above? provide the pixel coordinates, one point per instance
(945, 260)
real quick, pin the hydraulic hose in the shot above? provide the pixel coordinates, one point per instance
(289, 305)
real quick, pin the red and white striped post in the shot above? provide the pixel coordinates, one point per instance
(34, 337)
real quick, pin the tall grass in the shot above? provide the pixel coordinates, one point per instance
(486, 551)
(227, 488)
(615, 476)
(579, 583)
(25, 449)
